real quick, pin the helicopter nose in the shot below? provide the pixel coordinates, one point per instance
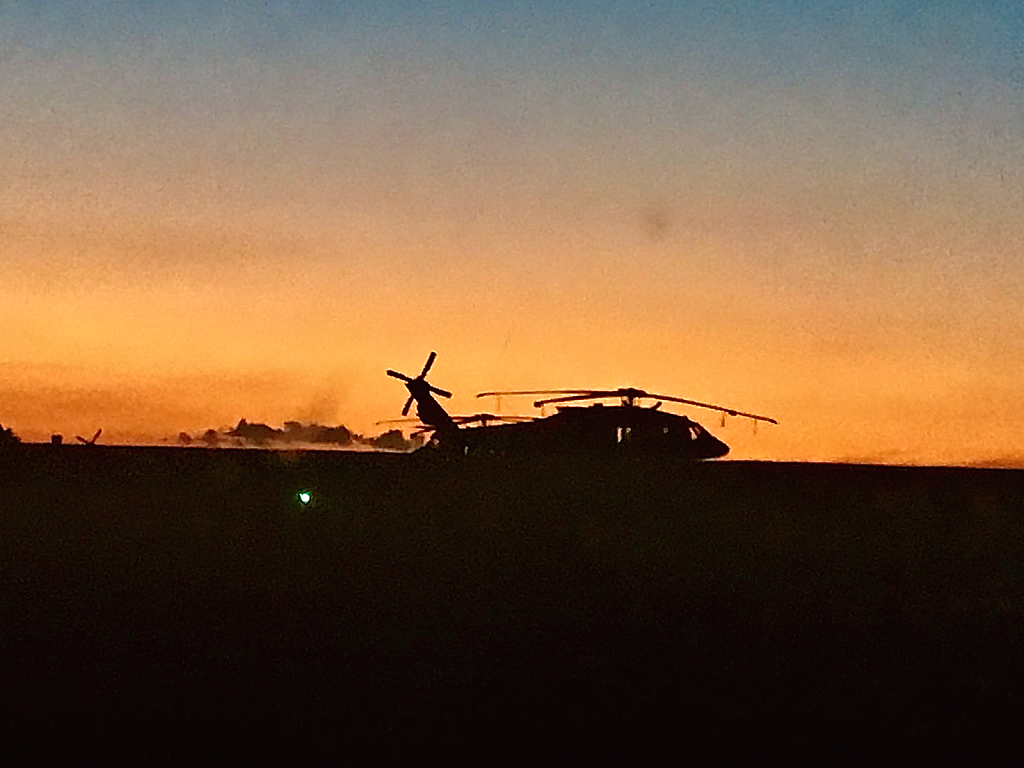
(716, 448)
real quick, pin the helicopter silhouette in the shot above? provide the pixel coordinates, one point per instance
(626, 428)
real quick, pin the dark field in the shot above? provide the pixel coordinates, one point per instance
(168, 602)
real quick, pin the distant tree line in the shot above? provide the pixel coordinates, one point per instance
(256, 433)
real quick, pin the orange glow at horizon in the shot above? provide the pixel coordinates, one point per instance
(852, 381)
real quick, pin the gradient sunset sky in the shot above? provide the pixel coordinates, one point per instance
(810, 210)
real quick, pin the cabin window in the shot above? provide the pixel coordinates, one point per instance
(664, 430)
(694, 434)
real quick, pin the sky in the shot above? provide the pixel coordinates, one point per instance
(808, 210)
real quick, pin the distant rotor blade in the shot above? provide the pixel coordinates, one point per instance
(481, 417)
(408, 405)
(536, 392)
(439, 391)
(485, 417)
(92, 440)
(408, 420)
(730, 411)
(430, 362)
(397, 375)
(587, 395)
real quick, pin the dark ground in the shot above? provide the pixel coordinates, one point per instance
(161, 603)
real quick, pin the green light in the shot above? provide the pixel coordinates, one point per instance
(304, 496)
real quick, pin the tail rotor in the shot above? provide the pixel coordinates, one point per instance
(419, 388)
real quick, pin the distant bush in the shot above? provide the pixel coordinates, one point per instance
(391, 441)
(7, 437)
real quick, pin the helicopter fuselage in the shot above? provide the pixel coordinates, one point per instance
(596, 429)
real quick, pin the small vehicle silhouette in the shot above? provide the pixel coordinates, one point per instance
(626, 428)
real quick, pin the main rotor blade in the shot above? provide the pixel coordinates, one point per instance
(408, 405)
(430, 362)
(571, 395)
(536, 392)
(397, 375)
(730, 411)
(439, 391)
(638, 393)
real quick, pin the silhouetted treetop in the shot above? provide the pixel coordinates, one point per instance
(7, 437)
